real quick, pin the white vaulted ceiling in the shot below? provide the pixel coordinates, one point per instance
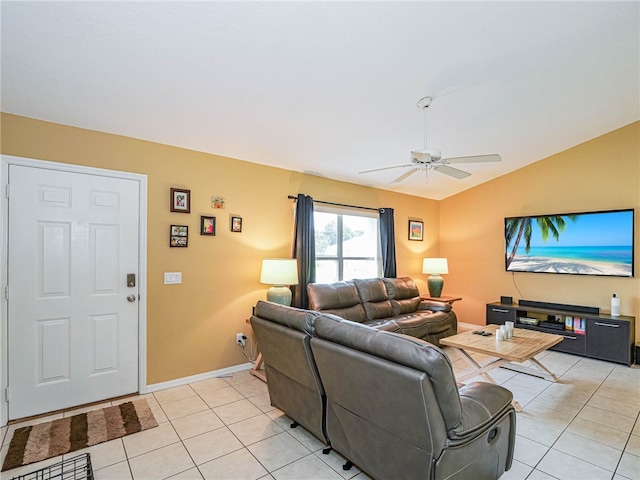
(330, 88)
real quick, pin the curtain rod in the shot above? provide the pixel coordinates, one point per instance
(338, 204)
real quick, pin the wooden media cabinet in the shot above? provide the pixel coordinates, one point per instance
(586, 332)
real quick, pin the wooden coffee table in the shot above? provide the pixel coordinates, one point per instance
(523, 346)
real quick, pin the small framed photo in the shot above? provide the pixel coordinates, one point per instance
(236, 224)
(180, 200)
(207, 225)
(179, 236)
(217, 202)
(416, 230)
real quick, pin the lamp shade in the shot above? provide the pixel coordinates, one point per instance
(279, 271)
(435, 265)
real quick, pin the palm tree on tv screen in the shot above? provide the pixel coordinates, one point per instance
(522, 227)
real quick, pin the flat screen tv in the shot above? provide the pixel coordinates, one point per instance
(586, 243)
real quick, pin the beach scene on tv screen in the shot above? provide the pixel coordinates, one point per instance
(583, 244)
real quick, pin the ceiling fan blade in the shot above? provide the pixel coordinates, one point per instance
(405, 175)
(386, 168)
(453, 172)
(473, 159)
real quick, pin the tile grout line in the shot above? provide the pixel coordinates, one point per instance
(244, 447)
(225, 425)
(288, 432)
(180, 439)
(613, 473)
(269, 472)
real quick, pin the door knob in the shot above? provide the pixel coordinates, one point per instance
(131, 298)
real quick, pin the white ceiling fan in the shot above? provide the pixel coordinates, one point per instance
(427, 159)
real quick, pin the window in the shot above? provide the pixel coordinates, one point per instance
(347, 244)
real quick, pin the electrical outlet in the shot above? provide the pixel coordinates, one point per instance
(241, 339)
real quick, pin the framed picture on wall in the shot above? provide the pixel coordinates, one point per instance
(416, 230)
(217, 202)
(207, 225)
(236, 224)
(180, 200)
(179, 236)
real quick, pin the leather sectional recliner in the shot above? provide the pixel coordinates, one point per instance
(389, 304)
(387, 402)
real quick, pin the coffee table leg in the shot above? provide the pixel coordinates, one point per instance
(478, 370)
(537, 363)
(482, 371)
(539, 370)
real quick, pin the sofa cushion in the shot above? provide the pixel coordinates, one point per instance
(295, 318)
(434, 322)
(386, 324)
(434, 306)
(408, 351)
(405, 305)
(374, 298)
(481, 403)
(403, 293)
(340, 298)
(401, 288)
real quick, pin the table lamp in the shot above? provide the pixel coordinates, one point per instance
(279, 272)
(435, 266)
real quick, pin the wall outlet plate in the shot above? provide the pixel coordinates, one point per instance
(241, 339)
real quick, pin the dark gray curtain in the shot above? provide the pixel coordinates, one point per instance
(388, 242)
(304, 249)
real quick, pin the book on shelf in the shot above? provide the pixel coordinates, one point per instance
(568, 323)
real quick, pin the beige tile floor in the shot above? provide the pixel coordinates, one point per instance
(584, 427)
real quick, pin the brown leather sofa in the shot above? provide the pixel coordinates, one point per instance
(387, 402)
(389, 304)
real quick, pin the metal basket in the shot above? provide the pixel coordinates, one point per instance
(76, 468)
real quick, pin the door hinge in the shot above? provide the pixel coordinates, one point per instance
(6, 292)
(8, 191)
(6, 394)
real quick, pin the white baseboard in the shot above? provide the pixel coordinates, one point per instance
(197, 378)
(462, 327)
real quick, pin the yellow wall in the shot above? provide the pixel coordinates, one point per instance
(601, 174)
(191, 327)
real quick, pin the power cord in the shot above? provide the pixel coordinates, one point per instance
(254, 350)
(513, 276)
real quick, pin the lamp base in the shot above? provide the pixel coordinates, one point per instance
(279, 294)
(435, 283)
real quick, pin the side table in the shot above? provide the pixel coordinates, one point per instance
(444, 298)
(256, 371)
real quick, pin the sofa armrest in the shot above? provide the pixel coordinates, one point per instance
(482, 403)
(434, 306)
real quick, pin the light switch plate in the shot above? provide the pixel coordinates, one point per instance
(172, 278)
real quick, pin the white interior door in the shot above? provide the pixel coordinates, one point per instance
(72, 318)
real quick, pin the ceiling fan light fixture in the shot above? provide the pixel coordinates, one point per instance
(427, 154)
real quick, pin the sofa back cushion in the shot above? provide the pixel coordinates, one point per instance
(291, 317)
(375, 300)
(403, 294)
(404, 350)
(340, 298)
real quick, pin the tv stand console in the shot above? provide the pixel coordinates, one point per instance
(586, 332)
